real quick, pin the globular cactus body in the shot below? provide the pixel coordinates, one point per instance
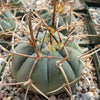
(46, 75)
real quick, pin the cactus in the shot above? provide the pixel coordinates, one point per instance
(7, 23)
(46, 75)
(47, 61)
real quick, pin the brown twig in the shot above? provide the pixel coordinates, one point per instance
(59, 37)
(2, 48)
(53, 20)
(31, 34)
(44, 23)
(25, 98)
(85, 54)
(66, 79)
(37, 33)
(42, 42)
(39, 91)
(9, 63)
(10, 84)
(67, 57)
(35, 61)
(54, 38)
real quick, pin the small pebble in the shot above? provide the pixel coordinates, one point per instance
(17, 93)
(5, 98)
(91, 98)
(9, 98)
(22, 95)
(83, 96)
(1, 95)
(52, 97)
(90, 94)
(14, 89)
(19, 98)
(80, 83)
(79, 89)
(73, 97)
(6, 93)
(92, 88)
(12, 93)
(96, 95)
(84, 90)
(92, 10)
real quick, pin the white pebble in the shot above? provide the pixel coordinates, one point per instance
(79, 89)
(90, 94)
(52, 97)
(92, 10)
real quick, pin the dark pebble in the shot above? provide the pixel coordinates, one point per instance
(73, 90)
(83, 90)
